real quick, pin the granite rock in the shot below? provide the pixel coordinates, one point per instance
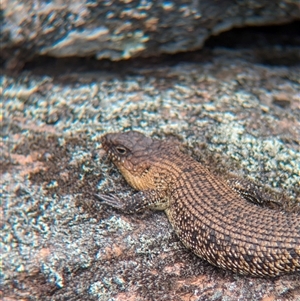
(230, 112)
(124, 29)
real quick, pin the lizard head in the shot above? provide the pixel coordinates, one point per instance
(133, 154)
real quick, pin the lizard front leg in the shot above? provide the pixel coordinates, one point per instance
(147, 199)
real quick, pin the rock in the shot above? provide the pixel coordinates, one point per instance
(59, 243)
(119, 30)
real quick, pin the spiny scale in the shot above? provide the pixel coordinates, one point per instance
(209, 217)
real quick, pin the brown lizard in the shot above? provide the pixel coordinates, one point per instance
(225, 226)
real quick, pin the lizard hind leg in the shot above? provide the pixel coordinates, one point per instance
(252, 192)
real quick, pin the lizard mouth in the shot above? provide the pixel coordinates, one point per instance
(112, 156)
(108, 147)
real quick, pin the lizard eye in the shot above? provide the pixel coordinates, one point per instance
(121, 150)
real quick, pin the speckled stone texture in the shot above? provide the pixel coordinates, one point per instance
(128, 28)
(230, 111)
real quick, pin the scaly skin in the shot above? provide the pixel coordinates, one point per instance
(211, 218)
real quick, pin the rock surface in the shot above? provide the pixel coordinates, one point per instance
(231, 110)
(129, 28)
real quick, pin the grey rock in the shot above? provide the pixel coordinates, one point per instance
(231, 112)
(124, 29)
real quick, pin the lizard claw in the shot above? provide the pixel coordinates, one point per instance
(110, 200)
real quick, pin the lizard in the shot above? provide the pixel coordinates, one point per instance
(225, 226)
